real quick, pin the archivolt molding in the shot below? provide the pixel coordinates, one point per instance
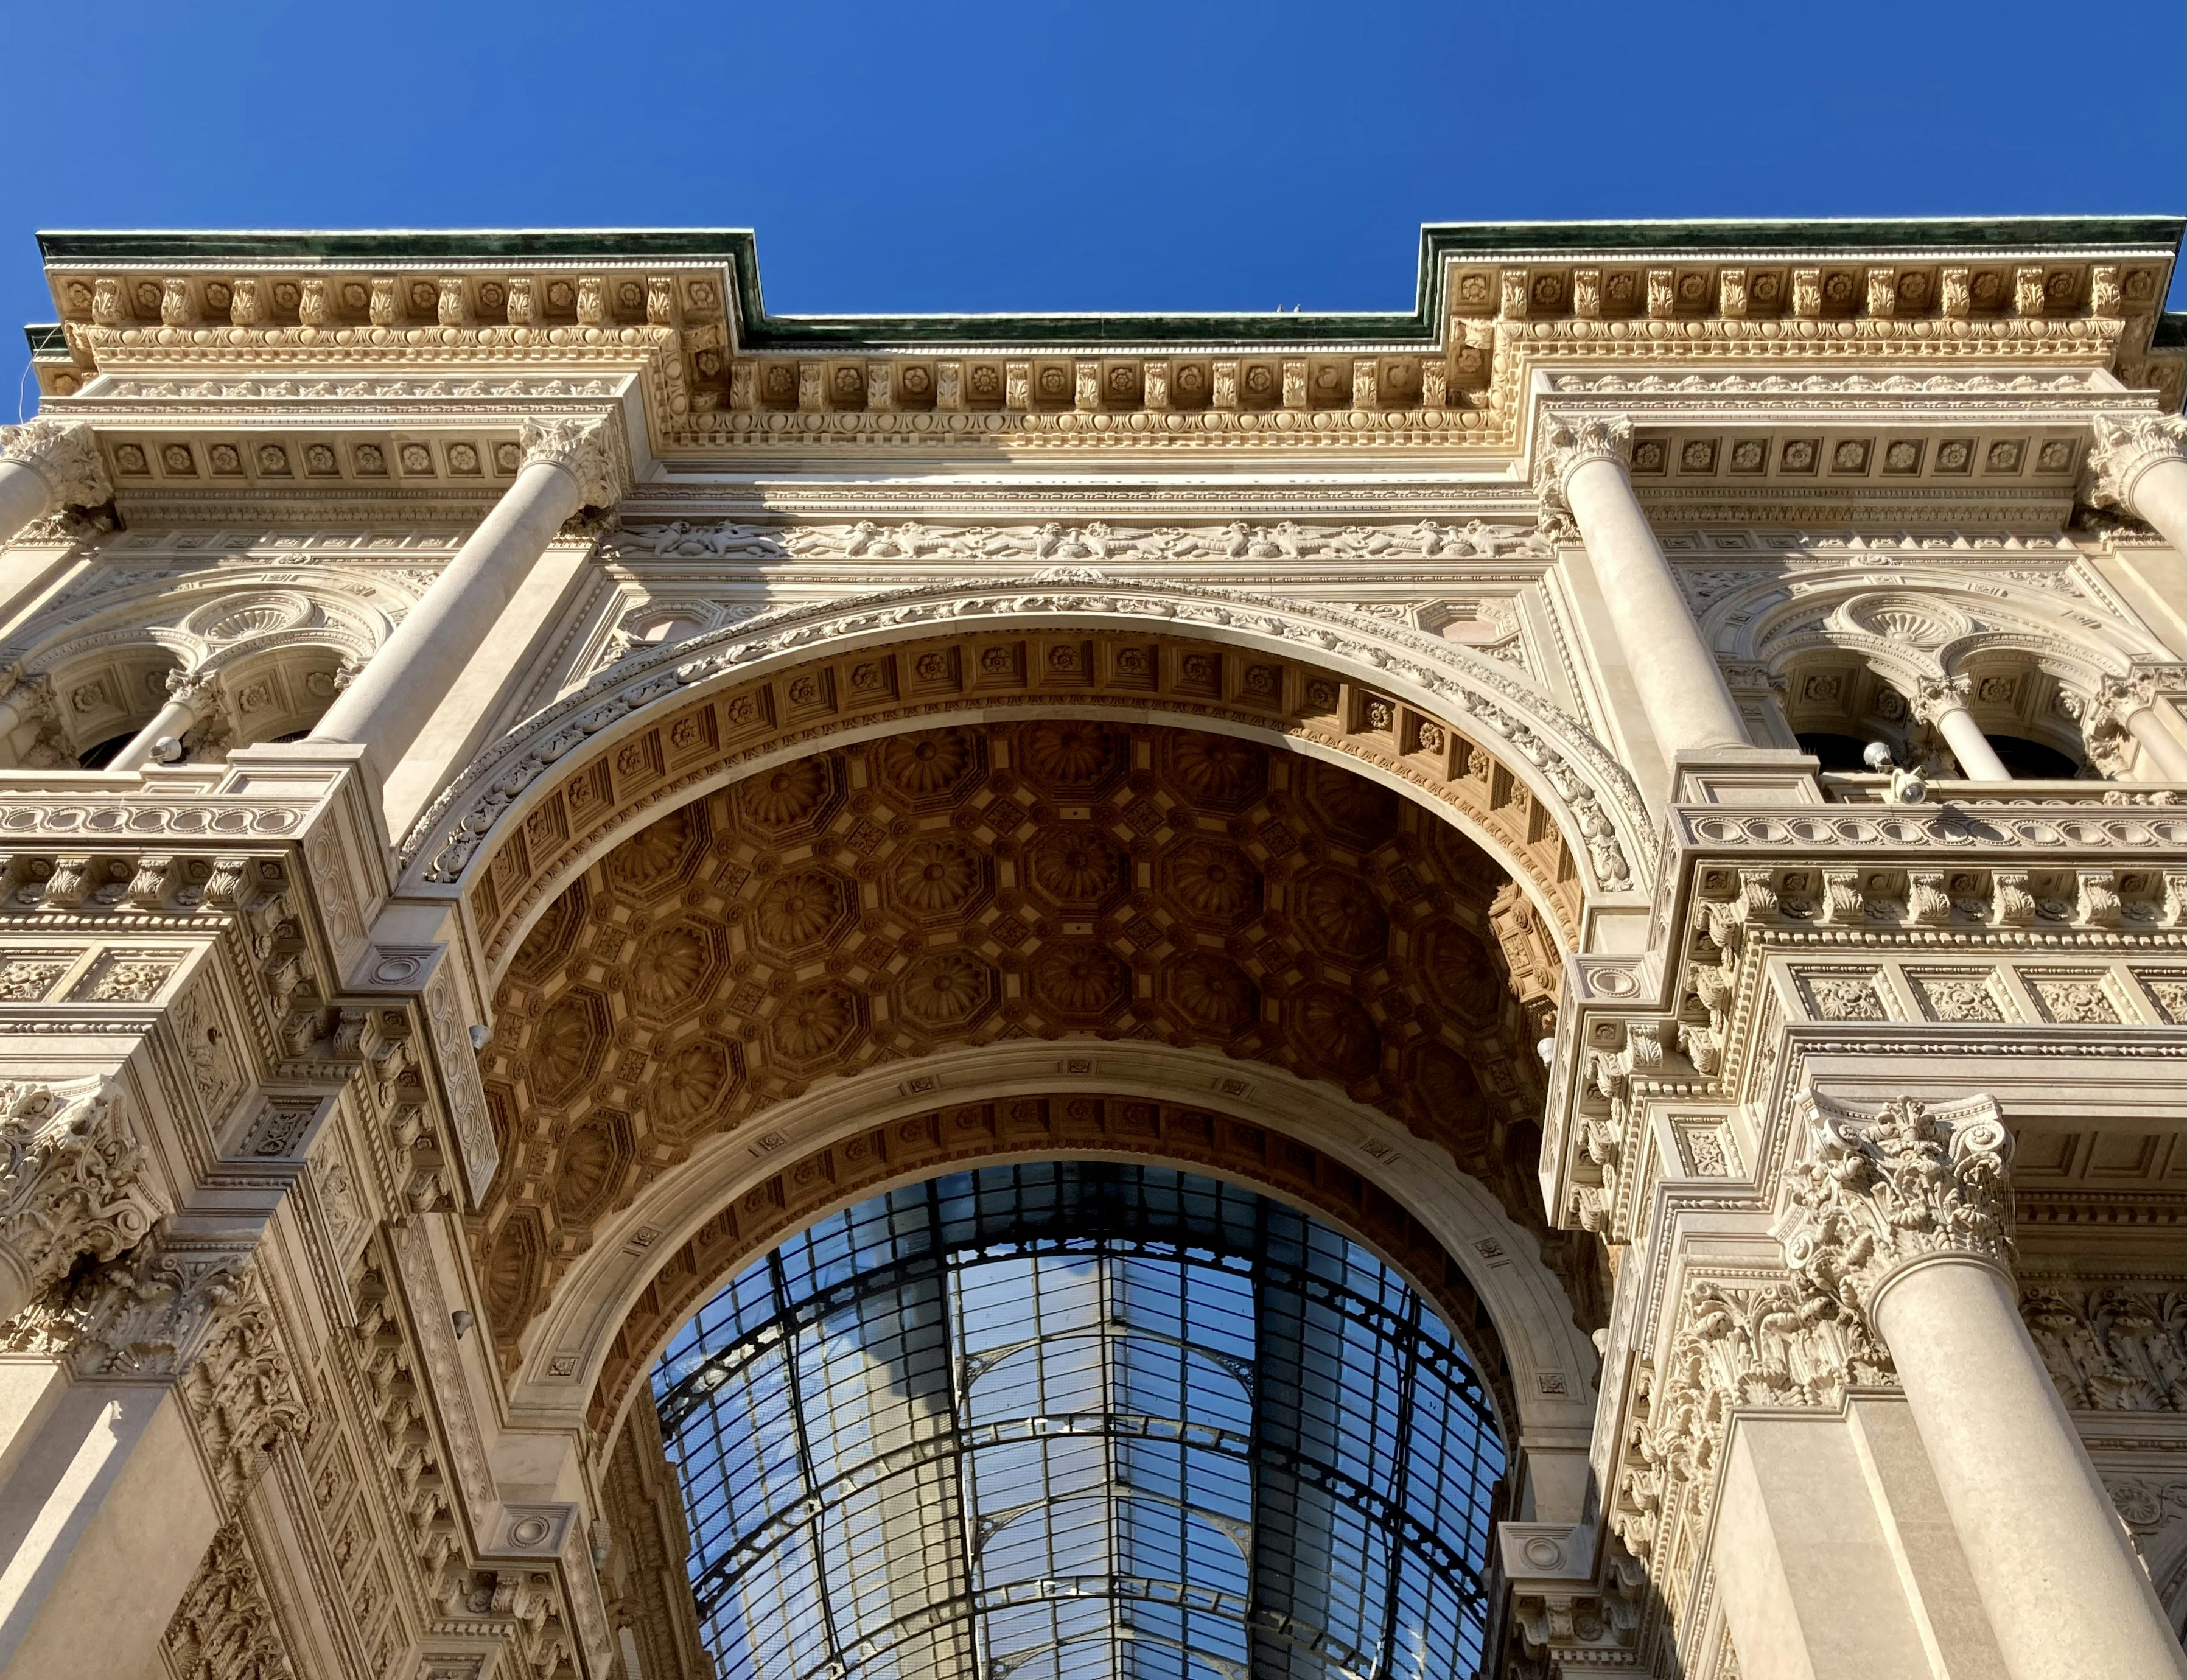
(665, 1253)
(1393, 698)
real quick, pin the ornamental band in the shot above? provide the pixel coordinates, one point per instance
(1647, 796)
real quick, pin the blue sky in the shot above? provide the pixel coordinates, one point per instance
(1065, 155)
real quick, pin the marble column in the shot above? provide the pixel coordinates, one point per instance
(1904, 1216)
(566, 467)
(157, 1389)
(45, 465)
(2138, 466)
(2131, 705)
(187, 704)
(1583, 469)
(1943, 705)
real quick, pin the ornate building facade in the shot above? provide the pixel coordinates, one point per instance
(1650, 794)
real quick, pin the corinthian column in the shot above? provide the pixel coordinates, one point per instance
(1583, 469)
(2131, 705)
(70, 1186)
(187, 704)
(566, 467)
(154, 1388)
(47, 465)
(1904, 1218)
(2139, 466)
(1943, 705)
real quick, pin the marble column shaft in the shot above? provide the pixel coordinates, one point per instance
(402, 685)
(1978, 759)
(2066, 1593)
(1681, 689)
(2140, 465)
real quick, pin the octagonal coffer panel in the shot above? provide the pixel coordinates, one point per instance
(1052, 878)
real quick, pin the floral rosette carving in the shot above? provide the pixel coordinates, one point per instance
(1884, 1189)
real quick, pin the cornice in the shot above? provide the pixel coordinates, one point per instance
(736, 251)
(1492, 305)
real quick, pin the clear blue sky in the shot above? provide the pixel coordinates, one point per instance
(1080, 154)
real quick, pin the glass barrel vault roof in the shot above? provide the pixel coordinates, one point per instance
(1079, 1420)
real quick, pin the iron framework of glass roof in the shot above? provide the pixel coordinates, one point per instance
(1079, 1421)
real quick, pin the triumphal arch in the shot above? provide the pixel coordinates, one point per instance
(1493, 991)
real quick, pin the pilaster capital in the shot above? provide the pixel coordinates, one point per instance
(70, 1185)
(64, 453)
(2125, 449)
(241, 1392)
(580, 448)
(1883, 1189)
(143, 1316)
(1569, 444)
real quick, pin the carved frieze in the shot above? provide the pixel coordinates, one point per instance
(225, 1628)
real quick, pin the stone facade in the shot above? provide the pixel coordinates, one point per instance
(529, 779)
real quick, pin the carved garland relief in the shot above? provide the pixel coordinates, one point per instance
(1046, 879)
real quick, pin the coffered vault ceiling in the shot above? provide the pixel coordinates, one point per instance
(966, 885)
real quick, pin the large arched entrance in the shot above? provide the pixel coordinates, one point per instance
(1053, 880)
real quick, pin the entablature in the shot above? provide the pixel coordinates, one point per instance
(1497, 310)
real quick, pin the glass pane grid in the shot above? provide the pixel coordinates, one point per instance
(1079, 1421)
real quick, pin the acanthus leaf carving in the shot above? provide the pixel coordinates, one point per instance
(65, 454)
(2127, 447)
(1881, 1190)
(70, 1185)
(242, 1392)
(1572, 442)
(579, 449)
(224, 1627)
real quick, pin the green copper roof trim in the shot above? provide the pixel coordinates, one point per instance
(737, 249)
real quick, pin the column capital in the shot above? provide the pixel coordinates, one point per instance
(580, 448)
(2125, 449)
(1569, 443)
(1938, 695)
(1884, 1188)
(70, 1185)
(65, 454)
(2121, 697)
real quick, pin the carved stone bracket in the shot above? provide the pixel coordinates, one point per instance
(65, 454)
(1884, 1189)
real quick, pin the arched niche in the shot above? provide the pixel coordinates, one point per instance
(265, 648)
(1072, 885)
(1525, 780)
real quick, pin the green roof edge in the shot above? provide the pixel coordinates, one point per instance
(737, 249)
